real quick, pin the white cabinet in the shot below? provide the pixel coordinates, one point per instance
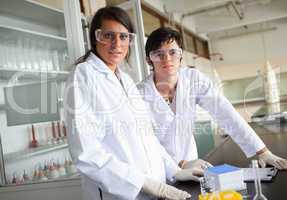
(37, 47)
(33, 38)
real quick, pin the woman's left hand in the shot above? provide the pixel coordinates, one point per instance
(268, 157)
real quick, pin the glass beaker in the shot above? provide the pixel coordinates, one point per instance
(206, 185)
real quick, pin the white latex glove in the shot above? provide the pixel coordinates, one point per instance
(269, 158)
(189, 174)
(162, 190)
(198, 165)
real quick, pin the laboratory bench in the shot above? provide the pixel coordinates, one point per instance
(228, 152)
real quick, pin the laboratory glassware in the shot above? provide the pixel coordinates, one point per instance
(257, 183)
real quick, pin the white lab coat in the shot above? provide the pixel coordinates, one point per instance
(111, 139)
(175, 130)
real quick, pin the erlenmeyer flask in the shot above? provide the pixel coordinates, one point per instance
(257, 183)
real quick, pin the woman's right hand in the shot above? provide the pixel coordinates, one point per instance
(192, 170)
(162, 190)
(198, 164)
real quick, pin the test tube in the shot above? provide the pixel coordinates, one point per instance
(60, 139)
(55, 141)
(206, 185)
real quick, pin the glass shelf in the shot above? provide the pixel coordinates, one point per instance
(38, 12)
(50, 7)
(12, 32)
(33, 152)
(62, 178)
(7, 73)
(26, 50)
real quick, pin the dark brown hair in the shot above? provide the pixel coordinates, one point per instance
(159, 37)
(106, 13)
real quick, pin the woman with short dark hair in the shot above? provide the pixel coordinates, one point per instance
(172, 93)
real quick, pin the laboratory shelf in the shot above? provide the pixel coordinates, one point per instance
(9, 32)
(68, 179)
(27, 153)
(62, 178)
(7, 74)
(33, 11)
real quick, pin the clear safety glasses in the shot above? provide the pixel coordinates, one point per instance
(160, 54)
(109, 37)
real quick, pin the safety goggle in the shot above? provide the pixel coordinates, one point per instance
(109, 37)
(161, 54)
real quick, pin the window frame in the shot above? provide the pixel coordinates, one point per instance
(164, 19)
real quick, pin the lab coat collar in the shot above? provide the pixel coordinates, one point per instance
(180, 94)
(100, 66)
(150, 81)
(157, 95)
(153, 91)
(118, 73)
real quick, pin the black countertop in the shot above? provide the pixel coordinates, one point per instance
(230, 153)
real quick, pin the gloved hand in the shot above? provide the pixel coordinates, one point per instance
(192, 170)
(189, 174)
(198, 164)
(162, 190)
(268, 157)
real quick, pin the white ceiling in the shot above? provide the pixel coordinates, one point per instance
(219, 17)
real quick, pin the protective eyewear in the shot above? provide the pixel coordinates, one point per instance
(109, 37)
(160, 54)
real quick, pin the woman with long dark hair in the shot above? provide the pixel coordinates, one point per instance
(110, 135)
